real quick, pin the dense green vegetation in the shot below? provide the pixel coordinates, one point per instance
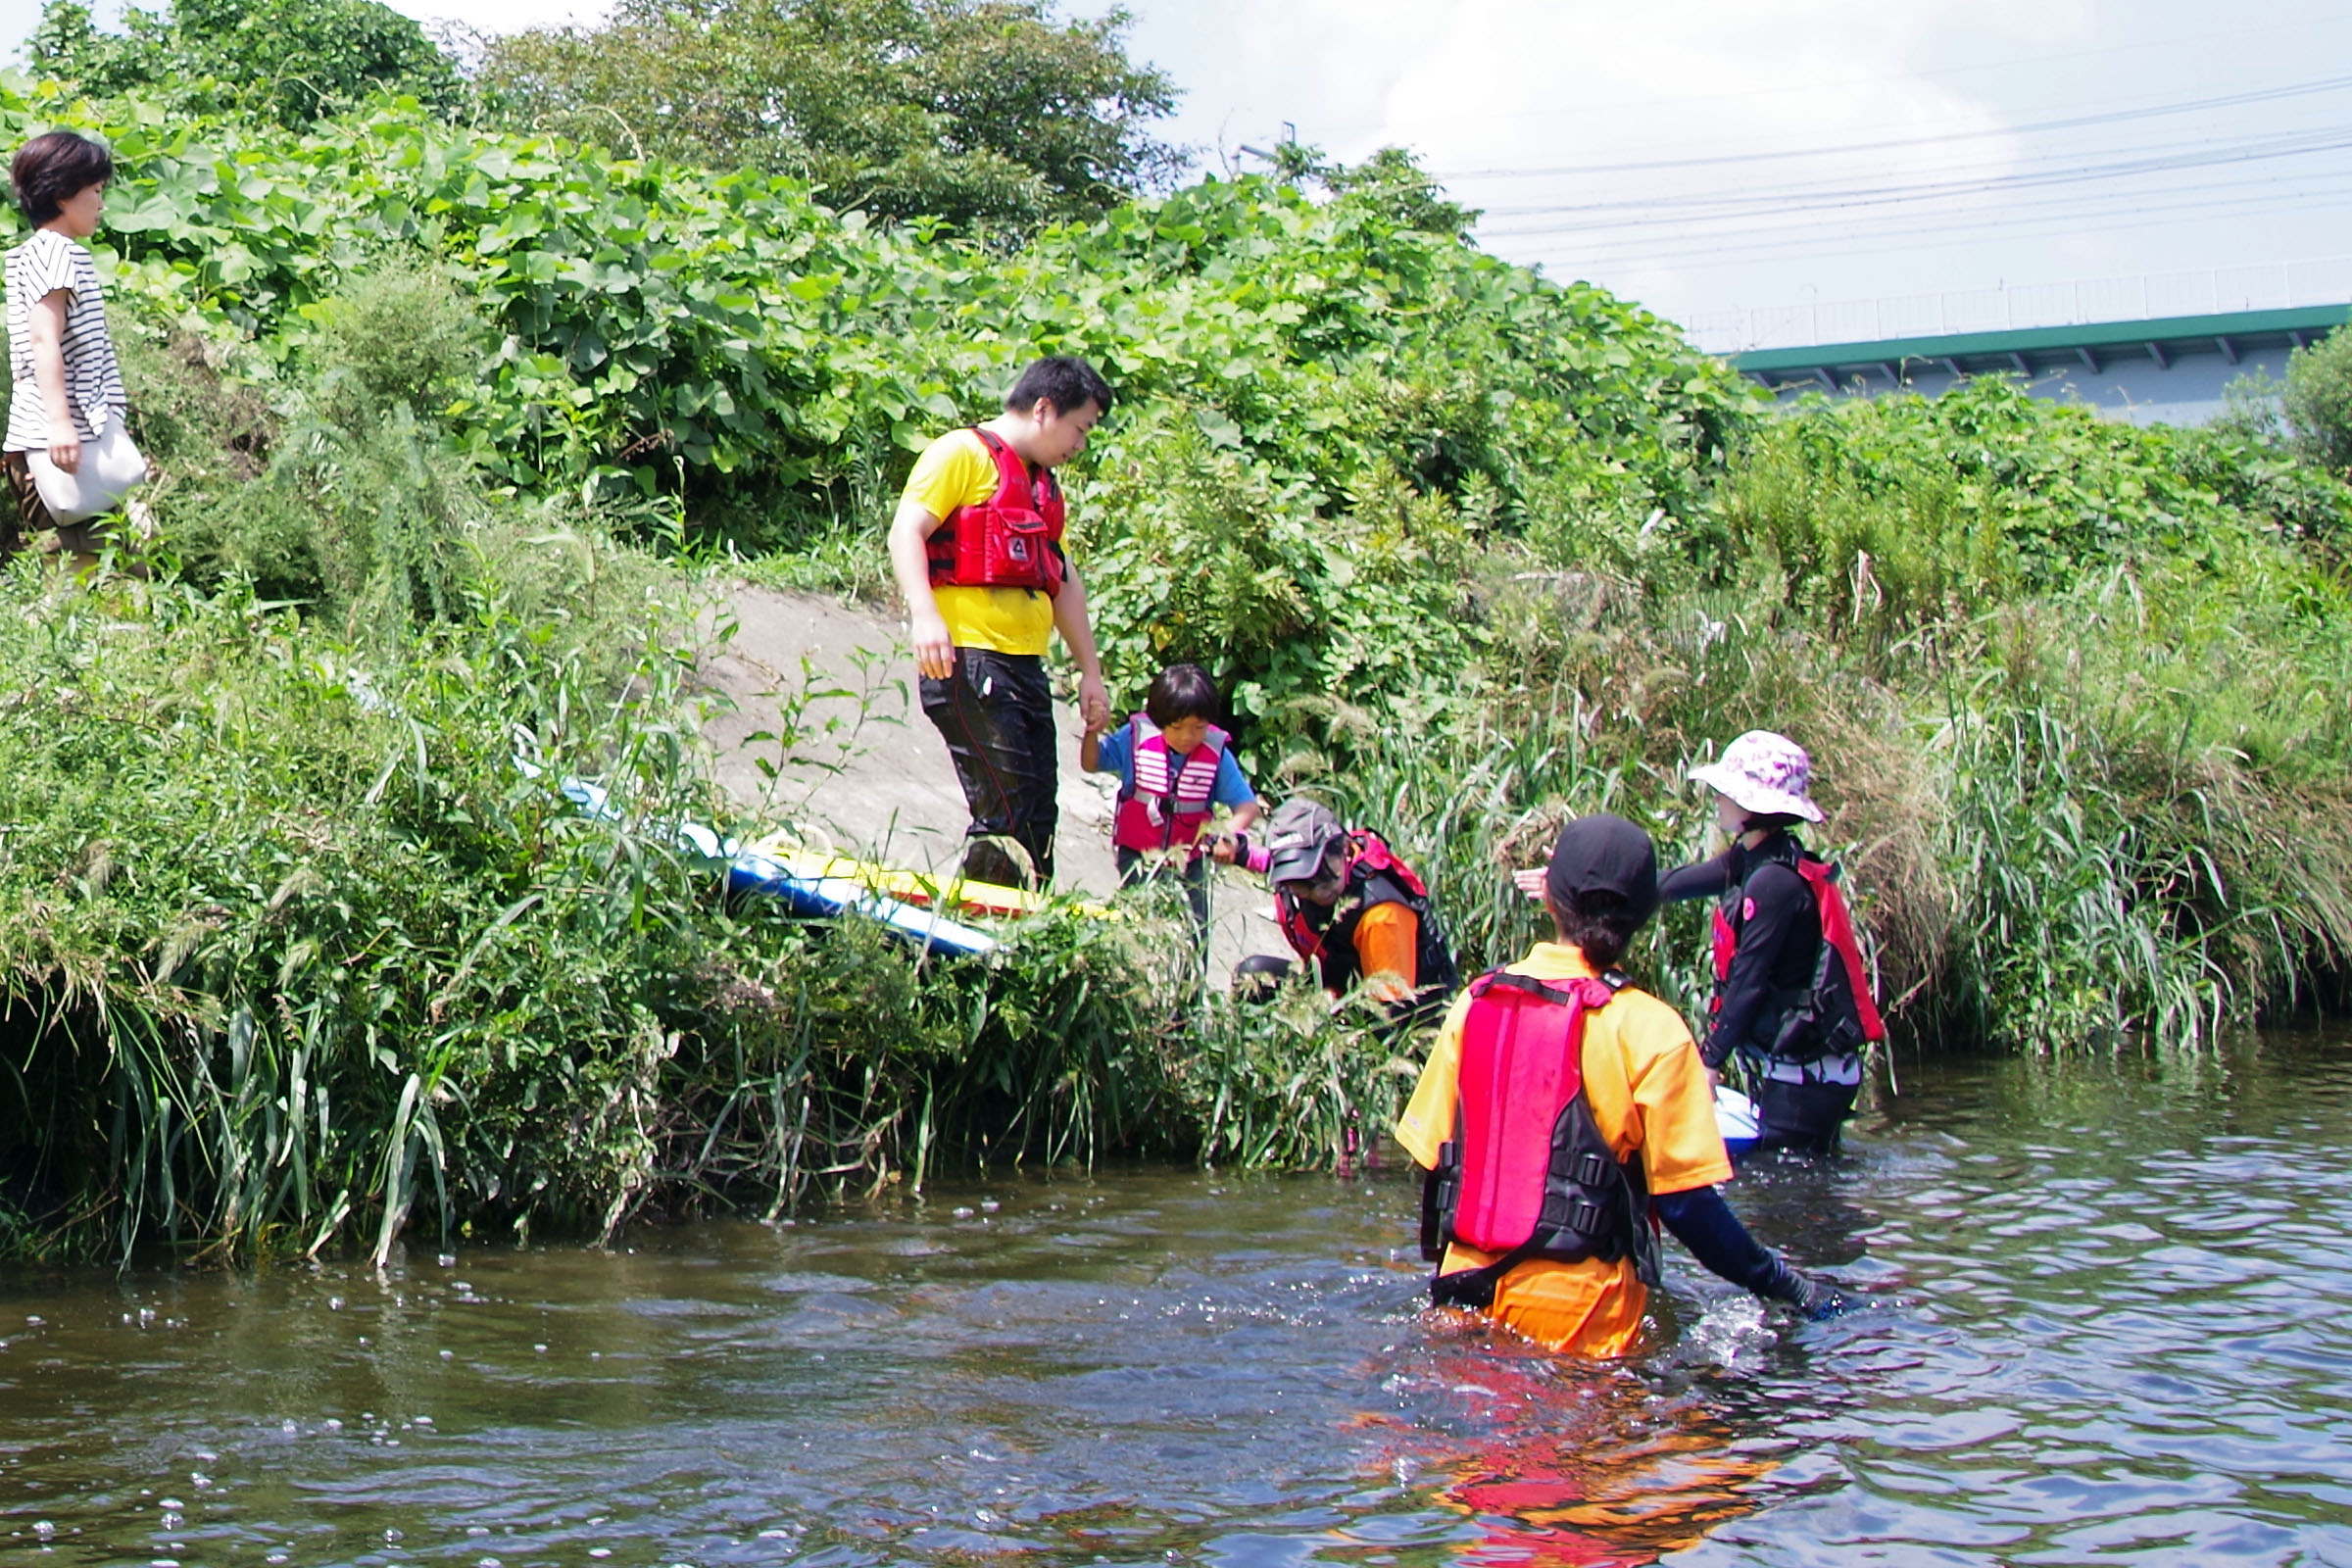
(295, 951)
(281, 62)
(990, 115)
(2309, 412)
(995, 117)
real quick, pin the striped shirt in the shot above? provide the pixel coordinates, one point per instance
(38, 267)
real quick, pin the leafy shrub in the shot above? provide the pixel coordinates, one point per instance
(994, 115)
(2317, 400)
(1989, 492)
(1309, 623)
(293, 62)
(399, 336)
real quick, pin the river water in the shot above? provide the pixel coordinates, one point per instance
(2114, 1325)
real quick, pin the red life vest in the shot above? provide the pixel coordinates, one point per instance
(1529, 1173)
(1837, 1012)
(1368, 855)
(1165, 806)
(1374, 876)
(1010, 540)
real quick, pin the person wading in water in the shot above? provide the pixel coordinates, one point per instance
(1792, 993)
(1562, 1108)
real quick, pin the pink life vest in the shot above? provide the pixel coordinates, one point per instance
(1529, 1173)
(1165, 807)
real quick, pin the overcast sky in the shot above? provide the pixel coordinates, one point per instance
(1798, 150)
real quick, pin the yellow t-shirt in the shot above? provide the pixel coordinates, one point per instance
(957, 470)
(1648, 1092)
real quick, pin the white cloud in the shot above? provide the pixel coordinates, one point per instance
(1485, 85)
(1502, 85)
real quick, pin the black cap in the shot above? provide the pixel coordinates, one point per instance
(1605, 854)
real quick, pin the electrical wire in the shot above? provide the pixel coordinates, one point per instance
(1831, 83)
(1720, 252)
(1896, 196)
(2060, 167)
(2073, 123)
(2071, 208)
(1788, 245)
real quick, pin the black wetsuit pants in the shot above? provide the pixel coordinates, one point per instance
(1804, 1117)
(996, 712)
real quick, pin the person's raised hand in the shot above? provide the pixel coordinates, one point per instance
(1529, 880)
(933, 649)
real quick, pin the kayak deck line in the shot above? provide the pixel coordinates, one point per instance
(915, 886)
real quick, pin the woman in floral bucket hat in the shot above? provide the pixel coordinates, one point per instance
(1791, 993)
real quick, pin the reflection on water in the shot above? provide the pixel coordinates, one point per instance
(2113, 1326)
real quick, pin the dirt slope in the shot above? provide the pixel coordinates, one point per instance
(864, 770)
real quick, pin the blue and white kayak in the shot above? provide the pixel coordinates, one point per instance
(825, 897)
(751, 871)
(1735, 1120)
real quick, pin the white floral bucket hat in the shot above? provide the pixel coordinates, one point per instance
(1765, 773)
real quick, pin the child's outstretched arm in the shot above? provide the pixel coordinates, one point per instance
(1089, 749)
(1231, 845)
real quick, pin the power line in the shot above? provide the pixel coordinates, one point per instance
(2150, 156)
(2074, 208)
(1785, 243)
(1823, 84)
(2302, 145)
(2075, 123)
(1729, 251)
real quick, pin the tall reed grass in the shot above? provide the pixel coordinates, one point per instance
(294, 957)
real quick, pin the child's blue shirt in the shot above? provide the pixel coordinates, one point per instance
(1114, 753)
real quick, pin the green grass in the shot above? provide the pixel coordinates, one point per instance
(294, 957)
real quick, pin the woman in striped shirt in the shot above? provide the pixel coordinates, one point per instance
(66, 388)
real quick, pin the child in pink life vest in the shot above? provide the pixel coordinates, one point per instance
(1175, 768)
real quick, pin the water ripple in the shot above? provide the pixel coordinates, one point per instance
(2110, 1315)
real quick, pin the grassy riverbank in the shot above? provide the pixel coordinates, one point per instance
(298, 956)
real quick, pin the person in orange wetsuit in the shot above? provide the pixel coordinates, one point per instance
(1562, 1110)
(1348, 906)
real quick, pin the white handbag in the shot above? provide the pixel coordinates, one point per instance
(109, 467)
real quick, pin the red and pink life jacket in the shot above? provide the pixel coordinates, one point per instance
(1835, 1012)
(1166, 803)
(1529, 1173)
(1010, 540)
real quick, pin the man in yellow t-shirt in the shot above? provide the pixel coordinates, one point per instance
(1647, 1096)
(980, 649)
